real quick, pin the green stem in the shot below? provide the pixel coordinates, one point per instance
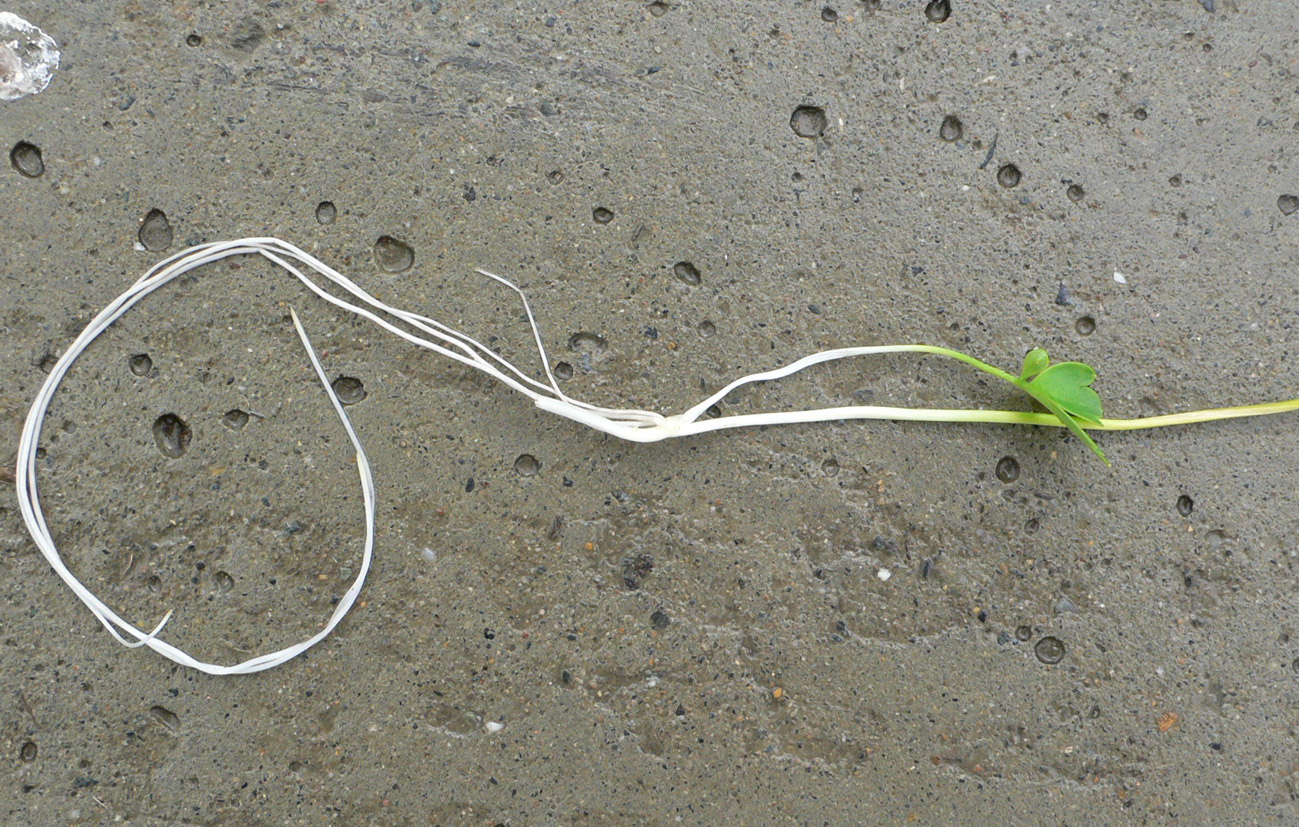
(1138, 424)
(690, 422)
(1062, 417)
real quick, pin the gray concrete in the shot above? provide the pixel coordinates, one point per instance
(783, 681)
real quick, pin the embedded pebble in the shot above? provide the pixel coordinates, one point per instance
(171, 435)
(584, 342)
(687, 272)
(938, 11)
(393, 256)
(26, 158)
(166, 717)
(526, 465)
(140, 364)
(808, 122)
(348, 389)
(1007, 469)
(1049, 650)
(235, 419)
(155, 232)
(951, 129)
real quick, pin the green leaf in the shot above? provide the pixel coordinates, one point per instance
(1067, 420)
(1035, 361)
(1067, 384)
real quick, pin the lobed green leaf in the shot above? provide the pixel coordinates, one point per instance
(1067, 384)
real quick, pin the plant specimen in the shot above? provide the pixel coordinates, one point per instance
(1063, 389)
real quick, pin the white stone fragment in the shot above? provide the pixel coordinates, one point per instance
(28, 58)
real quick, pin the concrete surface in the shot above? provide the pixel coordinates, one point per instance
(689, 632)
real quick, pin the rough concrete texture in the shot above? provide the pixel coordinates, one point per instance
(695, 631)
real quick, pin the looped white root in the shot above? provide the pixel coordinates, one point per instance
(29, 498)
